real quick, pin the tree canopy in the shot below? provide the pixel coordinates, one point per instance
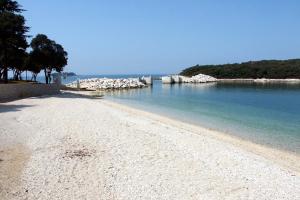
(48, 55)
(10, 6)
(273, 69)
(12, 35)
(45, 54)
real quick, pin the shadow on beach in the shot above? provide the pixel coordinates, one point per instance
(64, 94)
(12, 108)
(71, 95)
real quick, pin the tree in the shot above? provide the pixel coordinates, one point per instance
(41, 53)
(48, 55)
(12, 35)
(18, 63)
(60, 58)
(32, 66)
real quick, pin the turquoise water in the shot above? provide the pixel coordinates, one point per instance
(267, 114)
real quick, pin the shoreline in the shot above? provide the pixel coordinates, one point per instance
(99, 148)
(285, 158)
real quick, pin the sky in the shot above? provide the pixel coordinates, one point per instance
(165, 36)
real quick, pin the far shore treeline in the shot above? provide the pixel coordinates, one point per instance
(17, 55)
(272, 69)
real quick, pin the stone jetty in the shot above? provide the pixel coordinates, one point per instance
(107, 83)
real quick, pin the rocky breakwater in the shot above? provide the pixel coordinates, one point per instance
(107, 84)
(200, 78)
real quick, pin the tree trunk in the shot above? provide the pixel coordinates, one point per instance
(46, 76)
(5, 75)
(15, 74)
(33, 77)
(49, 75)
(20, 75)
(5, 68)
(1, 73)
(49, 78)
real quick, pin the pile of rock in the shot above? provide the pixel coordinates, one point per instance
(201, 78)
(106, 83)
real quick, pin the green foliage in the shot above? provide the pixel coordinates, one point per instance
(48, 55)
(32, 65)
(273, 69)
(12, 35)
(10, 6)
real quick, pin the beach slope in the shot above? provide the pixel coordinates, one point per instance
(73, 147)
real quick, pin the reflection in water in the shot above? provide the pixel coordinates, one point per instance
(130, 92)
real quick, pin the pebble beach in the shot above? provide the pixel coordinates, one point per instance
(71, 146)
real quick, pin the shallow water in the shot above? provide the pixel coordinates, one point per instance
(267, 114)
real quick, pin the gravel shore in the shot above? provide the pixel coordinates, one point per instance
(74, 147)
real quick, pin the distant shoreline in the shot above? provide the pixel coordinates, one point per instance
(271, 69)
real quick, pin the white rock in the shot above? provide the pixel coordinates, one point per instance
(105, 83)
(200, 78)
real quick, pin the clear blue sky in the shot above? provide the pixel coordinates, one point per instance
(165, 36)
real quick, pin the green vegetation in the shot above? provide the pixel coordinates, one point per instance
(45, 54)
(273, 69)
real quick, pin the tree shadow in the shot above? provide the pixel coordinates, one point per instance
(71, 95)
(66, 95)
(12, 108)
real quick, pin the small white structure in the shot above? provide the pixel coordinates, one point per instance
(147, 80)
(77, 84)
(166, 80)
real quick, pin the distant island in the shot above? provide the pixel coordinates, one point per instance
(65, 74)
(270, 69)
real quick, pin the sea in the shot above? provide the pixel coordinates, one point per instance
(267, 114)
